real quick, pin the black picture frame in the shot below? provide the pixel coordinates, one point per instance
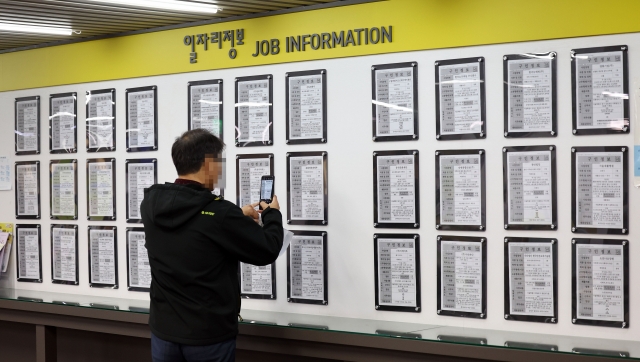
(534, 346)
(483, 109)
(271, 296)
(288, 78)
(552, 56)
(38, 126)
(414, 238)
(554, 187)
(18, 227)
(74, 163)
(625, 186)
(75, 123)
(416, 191)
(115, 253)
(219, 83)
(59, 281)
(130, 91)
(239, 80)
(113, 120)
(483, 189)
(250, 156)
(128, 162)
(600, 352)
(483, 244)
(325, 166)
(129, 287)
(553, 244)
(574, 283)
(113, 189)
(416, 122)
(325, 258)
(27, 217)
(626, 128)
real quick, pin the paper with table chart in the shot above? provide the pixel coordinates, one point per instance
(142, 119)
(460, 99)
(306, 107)
(140, 175)
(64, 254)
(306, 181)
(27, 125)
(100, 120)
(530, 95)
(307, 269)
(139, 268)
(600, 282)
(250, 172)
(206, 108)
(101, 197)
(396, 189)
(397, 279)
(102, 256)
(531, 279)
(28, 253)
(599, 190)
(27, 190)
(529, 186)
(63, 123)
(256, 279)
(253, 111)
(5, 173)
(394, 102)
(600, 91)
(460, 189)
(63, 189)
(461, 276)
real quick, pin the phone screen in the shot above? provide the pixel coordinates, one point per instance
(266, 190)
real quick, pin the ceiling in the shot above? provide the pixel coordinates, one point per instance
(96, 19)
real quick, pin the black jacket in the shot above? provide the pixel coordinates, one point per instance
(195, 240)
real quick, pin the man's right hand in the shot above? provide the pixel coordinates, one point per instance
(274, 204)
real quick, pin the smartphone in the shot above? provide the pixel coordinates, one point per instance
(266, 188)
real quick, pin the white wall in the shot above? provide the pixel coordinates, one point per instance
(350, 229)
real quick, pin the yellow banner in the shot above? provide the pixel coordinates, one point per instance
(354, 30)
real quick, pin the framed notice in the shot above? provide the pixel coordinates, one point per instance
(257, 282)
(307, 189)
(394, 98)
(462, 276)
(600, 282)
(28, 190)
(27, 125)
(138, 269)
(531, 280)
(28, 253)
(460, 99)
(103, 257)
(249, 170)
(307, 268)
(63, 125)
(141, 174)
(142, 119)
(460, 190)
(101, 120)
(530, 95)
(101, 189)
(63, 195)
(529, 187)
(600, 90)
(205, 106)
(254, 111)
(64, 254)
(306, 106)
(396, 196)
(600, 190)
(397, 272)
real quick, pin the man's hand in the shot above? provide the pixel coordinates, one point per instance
(250, 210)
(274, 204)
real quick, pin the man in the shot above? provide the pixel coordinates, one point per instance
(195, 240)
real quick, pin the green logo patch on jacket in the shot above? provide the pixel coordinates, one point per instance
(208, 213)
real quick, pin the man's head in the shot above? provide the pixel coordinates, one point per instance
(198, 155)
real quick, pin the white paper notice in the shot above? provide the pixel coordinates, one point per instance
(100, 120)
(460, 101)
(600, 285)
(307, 185)
(306, 107)
(5, 173)
(102, 253)
(256, 279)
(206, 108)
(101, 198)
(460, 190)
(29, 253)
(64, 254)
(63, 189)
(531, 279)
(461, 276)
(251, 171)
(142, 119)
(397, 272)
(27, 190)
(307, 267)
(599, 190)
(530, 180)
(63, 125)
(394, 102)
(396, 189)
(139, 268)
(139, 177)
(253, 112)
(530, 95)
(27, 127)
